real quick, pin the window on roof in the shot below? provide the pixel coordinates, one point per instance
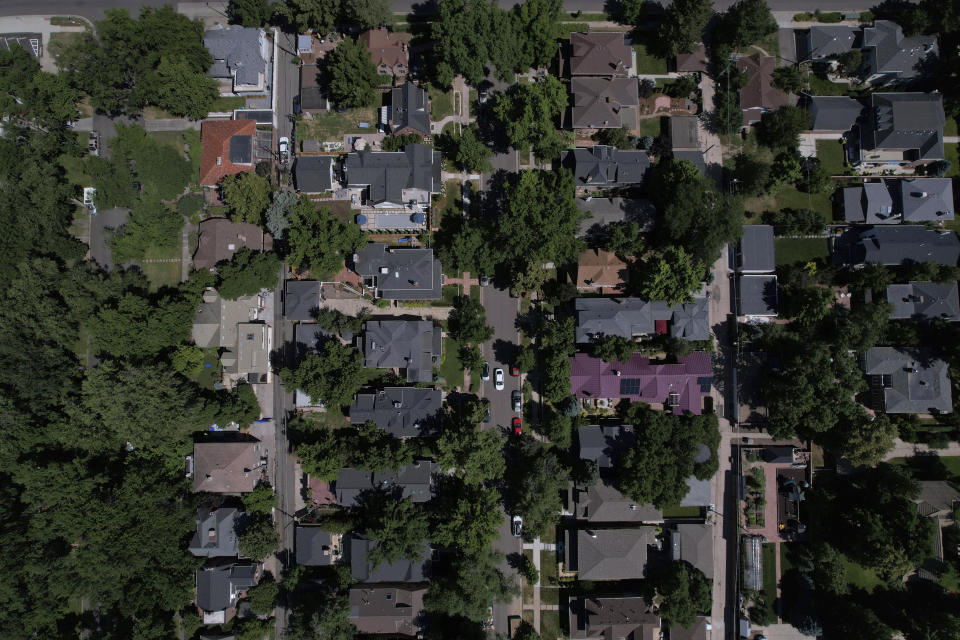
(629, 386)
(673, 399)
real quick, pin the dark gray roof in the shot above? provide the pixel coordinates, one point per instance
(927, 300)
(936, 497)
(693, 543)
(603, 211)
(602, 166)
(609, 618)
(401, 571)
(387, 610)
(410, 107)
(388, 174)
(893, 245)
(693, 157)
(913, 381)
(236, 49)
(300, 298)
(350, 484)
(684, 133)
(758, 295)
(215, 536)
(400, 274)
(309, 337)
(603, 503)
(241, 149)
(691, 321)
(756, 249)
(312, 174)
(603, 445)
(909, 122)
(927, 199)
(889, 52)
(402, 412)
(834, 113)
(699, 493)
(414, 481)
(215, 583)
(405, 344)
(872, 203)
(314, 546)
(832, 40)
(630, 317)
(598, 103)
(610, 554)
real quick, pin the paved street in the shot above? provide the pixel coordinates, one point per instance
(508, 546)
(502, 313)
(288, 84)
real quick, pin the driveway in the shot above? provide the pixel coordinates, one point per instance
(100, 224)
(502, 313)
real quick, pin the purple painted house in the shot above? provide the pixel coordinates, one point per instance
(680, 387)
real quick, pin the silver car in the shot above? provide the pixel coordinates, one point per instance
(517, 400)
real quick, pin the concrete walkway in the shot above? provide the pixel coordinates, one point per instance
(171, 124)
(903, 449)
(41, 24)
(465, 281)
(536, 546)
(186, 258)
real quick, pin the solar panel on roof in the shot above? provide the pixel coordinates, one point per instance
(629, 386)
(241, 149)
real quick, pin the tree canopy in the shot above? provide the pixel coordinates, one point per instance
(350, 75)
(465, 584)
(247, 194)
(399, 528)
(682, 25)
(246, 273)
(685, 591)
(534, 485)
(468, 321)
(473, 454)
(672, 275)
(318, 241)
(530, 114)
(333, 375)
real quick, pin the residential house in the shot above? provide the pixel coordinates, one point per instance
(693, 543)
(902, 128)
(938, 499)
(602, 167)
(679, 387)
(227, 149)
(757, 296)
(833, 114)
(607, 554)
(603, 445)
(216, 535)
(889, 56)
(395, 179)
(219, 238)
(413, 481)
(227, 467)
(600, 212)
(236, 329)
(413, 345)
(907, 380)
(241, 59)
(756, 262)
(409, 110)
(697, 61)
(602, 503)
(896, 245)
(387, 610)
(633, 317)
(759, 96)
(403, 570)
(254, 340)
(925, 301)
(601, 53)
(388, 51)
(699, 630)
(892, 201)
(313, 96)
(685, 140)
(301, 298)
(603, 270)
(825, 43)
(608, 618)
(219, 588)
(399, 274)
(314, 174)
(403, 412)
(604, 102)
(316, 547)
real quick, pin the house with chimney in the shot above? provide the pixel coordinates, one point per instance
(600, 53)
(241, 59)
(907, 380)
(219, 588)
(892, 201)
(388, 51)
(227, 149)
(228, 467)
(403, 412)
(399, 274)
(216, 535)
(613, 617)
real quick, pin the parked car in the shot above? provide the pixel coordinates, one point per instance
(93, 143)
(485, 374)
(516, 526)
(284, 149)
(514, 371)
(517, 400)
(517, 426)
(484, 281)
(487, 419)
(498, 379)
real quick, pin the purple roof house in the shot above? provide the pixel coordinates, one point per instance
(680, 387)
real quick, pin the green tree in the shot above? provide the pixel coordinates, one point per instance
(849, 63)
(781, 129)
(685, 592)
(460, 33)
(864, 439)
(536, 22)
(264, 596)
(396, 143)
(151, 225)
(275, 217)
(247, 194)
(136, 326)
(470, 357)
(468, 321)
(187, 359)
(319, 16)
(377, 450)
(318, 241)
(182, 91)
(467, 516)
(535, 483)
(672, 276)
(746, 22)
(341, 323)
(247, 273)
(258, 537)
(786, 169)
(351, 76)
(369, 14)
(466, 585)
(613, 348)
(795, 221)
(829, 570)
(473, 454)
(809, 305)
(334, 375)
(249, 13)
(526, 359)
(399, 528)
(619, 138)
(470, 153)
(791, 79)
(682, 26)
(323, 456)
(29, 93)
(814, 178)
(751, 174)
(261, 500)
(530, 113)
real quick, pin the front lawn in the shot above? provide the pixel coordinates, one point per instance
(951, 153)
(861, 577)
(548, 568)
(228, 103)
(932, 467)
(830, 154)
(650, 127)
(441, 102)
(789, 197)
(820, 86)
(448, 294)
(549, 595)
(332, 126)
(550, 624)
(647, 63)
(162, 274)
(682, 512)
(950, 127)
(770, 576)
(451, 369)
(791, 250)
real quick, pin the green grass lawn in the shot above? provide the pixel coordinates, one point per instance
(548, 567)
(564, 29)
(451, 369)
(830, 154)
(207, 376)
(789, 197)
(861, 577)
(951, 467)
(549, 595)
(951, 153)
(549, 536)
(333, 126)
(550, 624)
(162, 274)
(449, 292)
(441, 102)
(791, 250)
(228, 103)
(823, 87)
(682, 512)
(950, 127)
(770, 576)
(649, 63)
(650, 127)
(770, 44)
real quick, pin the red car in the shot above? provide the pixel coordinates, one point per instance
(514, 372)
(517, 427)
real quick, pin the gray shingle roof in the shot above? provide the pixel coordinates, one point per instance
(610, 554)
(893, 245)
(834, 113)
(405, 344)
(313, 174)
(936, 497)
(400, 274)
(600, 53)
(758, 295)
(402, 412)
(410, 107)
(603, 503)
(350, 484)
(387, 610)
(314, 546)
(401, 571)
(414, 481)
(912, 380)
(691, 321)
(699, 493)
(599, 102)
(214, 584)
(236, 49)
(927, 300)
(684, 133)
(630, 317)
(890, 52)
(827, 41)
(602, 166)
(697, 631)
(927, 199)
(604, 444)
(693, 543)
(215, 536)
(613, 618)
(909, 122)
(603, 211)
(756, 249)
(871, 202)
(300, 298)
(388, 174)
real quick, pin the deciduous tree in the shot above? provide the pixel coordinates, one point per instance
(611, 348)
(369, 14)
(247, 194)
(473, 454)
(682, 26)
(247, 273)
(467, 516)
(318, 242)
(671, 276)
(468, 321)
(350, 75)
(258, 537)
(399, 528)
(334, 375)
(466, 585)
(685, 591)
(530, 113)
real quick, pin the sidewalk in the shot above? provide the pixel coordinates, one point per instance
(40, 24)
(903, 449)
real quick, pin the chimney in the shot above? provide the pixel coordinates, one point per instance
(212, 535)
(219, 161)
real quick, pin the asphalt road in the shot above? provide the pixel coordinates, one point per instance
(502, 313)
(288, 84)
(508, 546)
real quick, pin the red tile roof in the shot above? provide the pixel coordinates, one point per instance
(215, 138)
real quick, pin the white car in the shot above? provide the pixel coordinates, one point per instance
(498, 379)
(516, 526)
(284, 148)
